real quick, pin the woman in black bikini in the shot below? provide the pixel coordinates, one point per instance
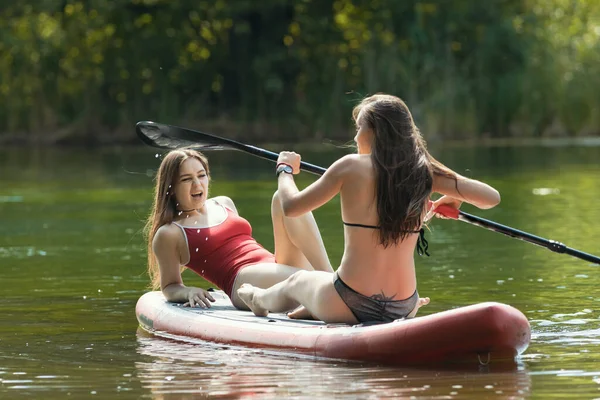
(384, 192)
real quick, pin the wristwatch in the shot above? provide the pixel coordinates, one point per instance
(283, 168)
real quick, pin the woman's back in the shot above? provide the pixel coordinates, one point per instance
(368, 266)
(384, 191)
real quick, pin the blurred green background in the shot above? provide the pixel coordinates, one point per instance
(85, 71)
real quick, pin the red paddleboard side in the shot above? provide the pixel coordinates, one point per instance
(158, 316)
(480, 334)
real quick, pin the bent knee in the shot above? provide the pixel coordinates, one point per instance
(275, 197)
(317, 283)
(299, 278)
(276, 202)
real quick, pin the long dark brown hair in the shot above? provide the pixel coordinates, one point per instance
(403, 166)
(164, 206)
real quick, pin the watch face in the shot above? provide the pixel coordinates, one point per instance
(284, 168)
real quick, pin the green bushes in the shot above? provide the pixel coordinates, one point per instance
(292, 70)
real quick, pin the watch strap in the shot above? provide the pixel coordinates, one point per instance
(283, 167)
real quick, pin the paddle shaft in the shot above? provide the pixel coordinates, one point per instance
(551, 245)
(172, 137)
(269, 155)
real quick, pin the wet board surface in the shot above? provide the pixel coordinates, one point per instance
(223, 309)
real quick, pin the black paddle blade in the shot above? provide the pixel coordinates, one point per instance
(174, 137)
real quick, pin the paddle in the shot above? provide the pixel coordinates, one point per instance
(173, 137)
(551, 245)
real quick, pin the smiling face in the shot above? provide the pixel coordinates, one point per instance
(191, 185)
(364, 134)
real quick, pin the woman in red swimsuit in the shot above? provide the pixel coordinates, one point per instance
(187, 229)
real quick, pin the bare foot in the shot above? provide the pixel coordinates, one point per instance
(246, 292)
(423, 301)
(300, 313)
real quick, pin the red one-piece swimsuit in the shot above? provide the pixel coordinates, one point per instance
(219, 252)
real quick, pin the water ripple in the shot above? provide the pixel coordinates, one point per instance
(230, 371)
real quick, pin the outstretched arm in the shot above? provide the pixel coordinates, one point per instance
(479, 194)
(164, 246)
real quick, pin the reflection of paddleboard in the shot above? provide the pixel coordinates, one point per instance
(480, 334)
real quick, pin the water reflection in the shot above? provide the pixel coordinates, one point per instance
(72, 266)
(178, 370)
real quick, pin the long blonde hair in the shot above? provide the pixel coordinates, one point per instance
(403, 166)
(164, 206)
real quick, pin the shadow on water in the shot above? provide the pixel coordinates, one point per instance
(178, 370)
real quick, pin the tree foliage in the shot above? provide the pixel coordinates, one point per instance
(295, 68)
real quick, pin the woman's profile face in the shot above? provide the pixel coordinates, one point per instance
(364, 135)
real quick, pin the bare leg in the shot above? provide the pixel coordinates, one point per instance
(300, 313)
(312, 289)
(298, 245)
(298, 241)
(262, 276)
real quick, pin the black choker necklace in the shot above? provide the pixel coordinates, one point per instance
(186, 211)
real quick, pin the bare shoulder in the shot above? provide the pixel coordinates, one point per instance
(355, 164)
(166, 235)
(348, 163)
(225, 201)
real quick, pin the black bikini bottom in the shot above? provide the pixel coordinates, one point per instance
(370, 309)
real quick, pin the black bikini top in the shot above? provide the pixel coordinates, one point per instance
(422, 243)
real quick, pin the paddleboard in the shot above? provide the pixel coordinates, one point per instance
(479, 334)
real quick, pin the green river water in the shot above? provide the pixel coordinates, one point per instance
(72, 266)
